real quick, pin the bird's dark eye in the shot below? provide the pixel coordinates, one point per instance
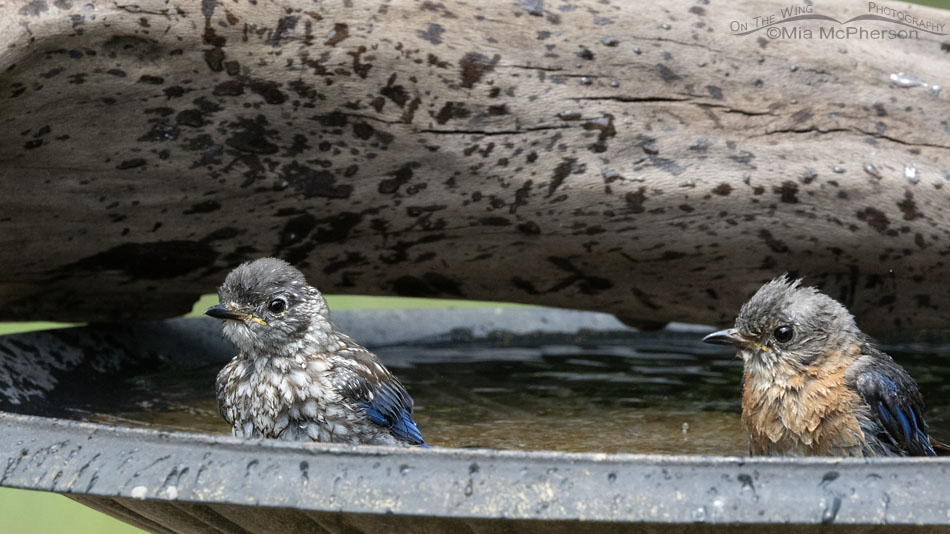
(277, 305)
(784, 333)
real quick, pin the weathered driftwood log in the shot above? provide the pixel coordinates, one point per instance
(620, 156)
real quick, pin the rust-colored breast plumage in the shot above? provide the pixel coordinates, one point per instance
(804, 413)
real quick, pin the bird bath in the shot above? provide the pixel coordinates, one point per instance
(540, 419)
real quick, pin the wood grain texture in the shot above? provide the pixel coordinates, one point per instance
(616, 156)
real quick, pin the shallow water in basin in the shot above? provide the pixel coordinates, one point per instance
(646, 393)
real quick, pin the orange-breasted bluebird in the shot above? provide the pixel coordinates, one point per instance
(814, 384)
(296, 377)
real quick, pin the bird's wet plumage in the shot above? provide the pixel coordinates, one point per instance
(814, 384)
(296, 376)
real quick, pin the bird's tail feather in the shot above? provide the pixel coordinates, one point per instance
(942, 449)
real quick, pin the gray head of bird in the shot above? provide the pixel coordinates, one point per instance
(785, 323)
(267, 307)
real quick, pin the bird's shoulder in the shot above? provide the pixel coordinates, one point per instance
(357, 372)
(892, 398)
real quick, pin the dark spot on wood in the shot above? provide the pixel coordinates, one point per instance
(174, 91)
(802, 115)
(206, 106)
(52, 72)
(667, 74)
(340, 32)
(697, 10)
(151, 80)
(314, 183)
(203, 207)
(452, 110)
(361, 69)
(363, 130)
(400, 176)
(788, 191)
(474, 65)
(416, 211)
(686, 208)
(433, 34)
(773, 243)
(521, 196)
(875, 218)
(529, 228)
(808, 176)
(384, 137)
(396, 93)
(251, 135)
(221, 234)
(161, 131)
(269, 90)
(714, 92)
(879, 109)
(745, 157)
(701, 145)
(495, 111)
(604, 124)
(723, 189)
(284, 25)
(636, 199)
(334, 119)
(130, 164)
(908, 207)
(190, 117)
(229, 88)
(561, 172)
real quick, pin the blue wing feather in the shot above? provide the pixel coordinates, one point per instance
(379, 395)
(391, 407)
(895, 400)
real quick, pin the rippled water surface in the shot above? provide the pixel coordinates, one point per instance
(646, 393)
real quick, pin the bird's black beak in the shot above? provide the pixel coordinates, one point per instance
(729, 336)
(220, 312)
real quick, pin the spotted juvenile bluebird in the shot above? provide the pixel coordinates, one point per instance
(815, 385)
(296, 377)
